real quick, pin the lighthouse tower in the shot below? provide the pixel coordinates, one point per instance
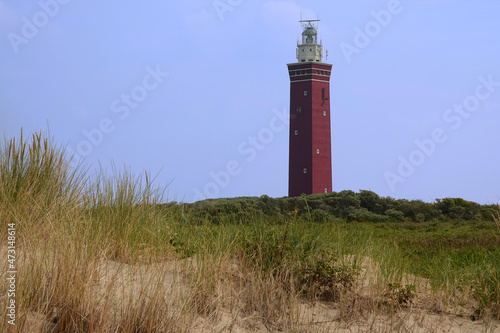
(310, 160)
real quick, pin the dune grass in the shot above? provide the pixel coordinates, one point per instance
(101, 253)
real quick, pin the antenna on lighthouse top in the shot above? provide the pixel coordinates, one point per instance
(309, 23)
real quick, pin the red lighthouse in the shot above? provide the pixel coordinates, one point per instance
(310, 159)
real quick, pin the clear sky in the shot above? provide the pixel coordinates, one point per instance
(198, 91)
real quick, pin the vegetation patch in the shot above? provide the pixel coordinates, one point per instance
(98, 253)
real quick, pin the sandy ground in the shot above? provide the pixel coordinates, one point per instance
(117, 287)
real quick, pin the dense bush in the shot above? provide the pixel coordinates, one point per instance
(363, 214)
(456, 208)
(345, 205)
(395, 214)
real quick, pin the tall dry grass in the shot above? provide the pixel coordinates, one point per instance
(37, 183)
(69, 228)
(496, 218)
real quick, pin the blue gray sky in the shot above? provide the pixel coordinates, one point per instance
(197, 91)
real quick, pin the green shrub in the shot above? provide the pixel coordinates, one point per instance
(419, 218)
(401, 294)
(371, 201)
(457, 208)
(395, 214)
(317, 215)
(363, 214)
(321, 278)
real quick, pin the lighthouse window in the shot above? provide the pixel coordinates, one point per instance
(305, 170)
(299, 109)
(305, 92)
(296, 132)
(324, 113)
(326, 190)
(317, 151)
